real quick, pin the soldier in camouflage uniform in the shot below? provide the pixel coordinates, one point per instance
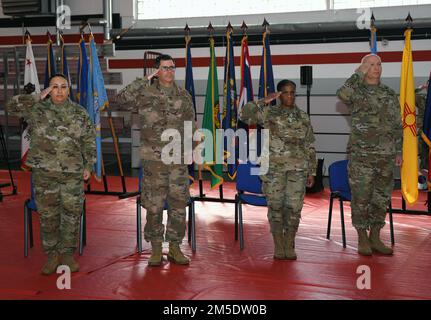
(161, 106)
(62, 154)
(374, 148)
(292, 163)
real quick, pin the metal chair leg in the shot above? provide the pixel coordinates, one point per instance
(139, 224)
(81, 234)
(26, 229)
(343, 227)
(391, 224)
(85, 224)
(193, 226)
(236, 217)
(189, 225)
(30, 226)
(241, 226)
(328, 230)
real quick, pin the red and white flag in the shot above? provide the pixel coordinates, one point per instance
(246, 91)
(31, 85)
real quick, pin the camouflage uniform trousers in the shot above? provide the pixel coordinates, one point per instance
(284, 191)
(163, 184)
(371, 183)
(59, 199)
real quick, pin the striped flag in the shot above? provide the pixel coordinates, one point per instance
(409, 168)
(266, 82)
(31, 86)
(246, 90)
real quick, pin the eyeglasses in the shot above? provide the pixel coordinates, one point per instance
(168, 68)
(289, 93)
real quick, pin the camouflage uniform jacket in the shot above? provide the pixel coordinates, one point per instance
(376, 119)
(157, 112)
(291, 138)
(62, 137)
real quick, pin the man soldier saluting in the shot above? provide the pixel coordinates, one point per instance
(161, 106)
(375, 148)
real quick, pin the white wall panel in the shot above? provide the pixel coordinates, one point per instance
(331, 124)
(331, 143)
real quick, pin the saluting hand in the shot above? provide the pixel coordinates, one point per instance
(423, 86)
(153, 75)
(45, 92)
(270, 97)
(364, 67)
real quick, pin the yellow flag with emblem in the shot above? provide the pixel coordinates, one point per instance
(409, 168)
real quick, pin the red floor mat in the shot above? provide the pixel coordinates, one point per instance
(110, 269)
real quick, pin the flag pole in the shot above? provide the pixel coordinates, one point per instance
(117, 151)
(202, 196)
(409, 25)
(116, 147)
(123, 193)
(200, 180)
(211, 30)
(265, 26)
(373, 38)
(229, 31)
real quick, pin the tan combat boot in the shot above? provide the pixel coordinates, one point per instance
(279, 246)
(376, 244)
(289, 245)
(175, 255)
(364, 248)
(68, 260)
(156, 254)
(51, 265)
